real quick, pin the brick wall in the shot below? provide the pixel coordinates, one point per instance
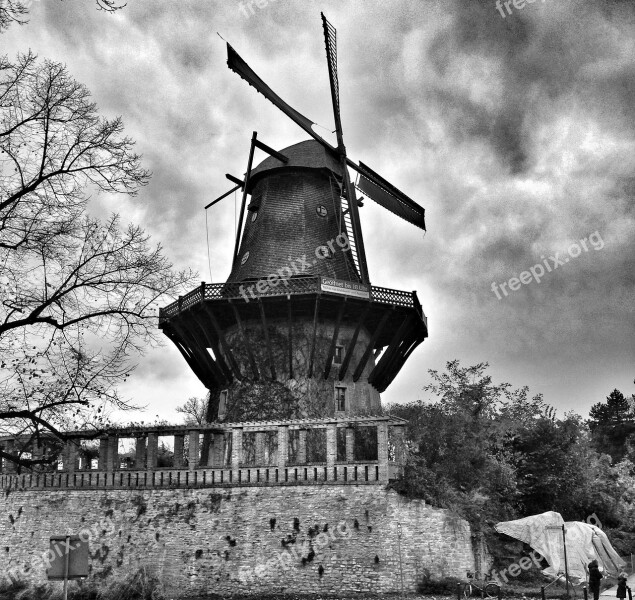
(318, 539)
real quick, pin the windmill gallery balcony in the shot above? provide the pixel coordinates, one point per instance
(358, 451)
(198, 324)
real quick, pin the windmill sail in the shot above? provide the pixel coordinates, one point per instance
(240, 67)
(388, 196)
(371, 184)
(330, 41)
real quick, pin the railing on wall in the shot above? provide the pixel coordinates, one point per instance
(354, 451)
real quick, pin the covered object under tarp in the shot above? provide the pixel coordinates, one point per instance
(584, 543)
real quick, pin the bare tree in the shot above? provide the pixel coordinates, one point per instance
(12, 11)
(15, 11)
(78, 297)
(194, 411)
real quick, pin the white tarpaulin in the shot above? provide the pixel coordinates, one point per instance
(584, 543)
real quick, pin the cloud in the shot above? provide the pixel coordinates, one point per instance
(516, 134)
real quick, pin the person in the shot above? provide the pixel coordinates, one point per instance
(621, 585)
(594, 579)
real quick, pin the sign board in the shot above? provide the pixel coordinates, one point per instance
(77, 551)
(347, 288)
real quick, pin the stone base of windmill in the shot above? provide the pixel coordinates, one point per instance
(327, 539)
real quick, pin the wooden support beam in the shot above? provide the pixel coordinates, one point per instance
(263, 319)
(210, 342)
(315, 321)
(199, 345)
(192, 362)
(392, 353)
(203, 360)
(351, 345)
(223, 342)
(246, 342)
(364, 359)
(290, 320)
(336, 331)
(244, 199)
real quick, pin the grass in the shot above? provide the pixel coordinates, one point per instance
(140, 586)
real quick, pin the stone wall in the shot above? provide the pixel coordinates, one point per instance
(314, 539)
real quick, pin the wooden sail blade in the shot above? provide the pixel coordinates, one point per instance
(240, 67)
(388, 196)
(330, 42)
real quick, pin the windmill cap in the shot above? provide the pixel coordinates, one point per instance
(309, 154)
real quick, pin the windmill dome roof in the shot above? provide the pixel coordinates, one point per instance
(309, 154)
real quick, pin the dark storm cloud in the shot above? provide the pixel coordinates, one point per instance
(516, 134)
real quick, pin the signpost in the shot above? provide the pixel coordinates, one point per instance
(346, 288)
(69, 559)
(564, 544)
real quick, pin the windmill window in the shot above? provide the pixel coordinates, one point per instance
(321, 210)
(254, 216)
(339, 355)
(245, 258)
(222, 404)
(340, 399)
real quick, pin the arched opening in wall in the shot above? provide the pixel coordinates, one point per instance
(316, 445)
(220, 450)
(260, 448)
(52, 449)
(365, 443)
(249, 448)
(126, 452)
(88, 455)
(293, 447)
(165, 451)
(271, 447)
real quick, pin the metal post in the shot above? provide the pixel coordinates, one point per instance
(399, 548)
(66, 563)
(542, 592)
(500, 593)
(566, 566)
(458, 591)
(585, 591)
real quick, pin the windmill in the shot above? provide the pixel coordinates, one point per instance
(297, 330)
(370, 183)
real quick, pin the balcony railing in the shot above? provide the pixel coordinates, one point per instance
(294, 286)
(300, 452)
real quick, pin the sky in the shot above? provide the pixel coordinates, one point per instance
(513, 126)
